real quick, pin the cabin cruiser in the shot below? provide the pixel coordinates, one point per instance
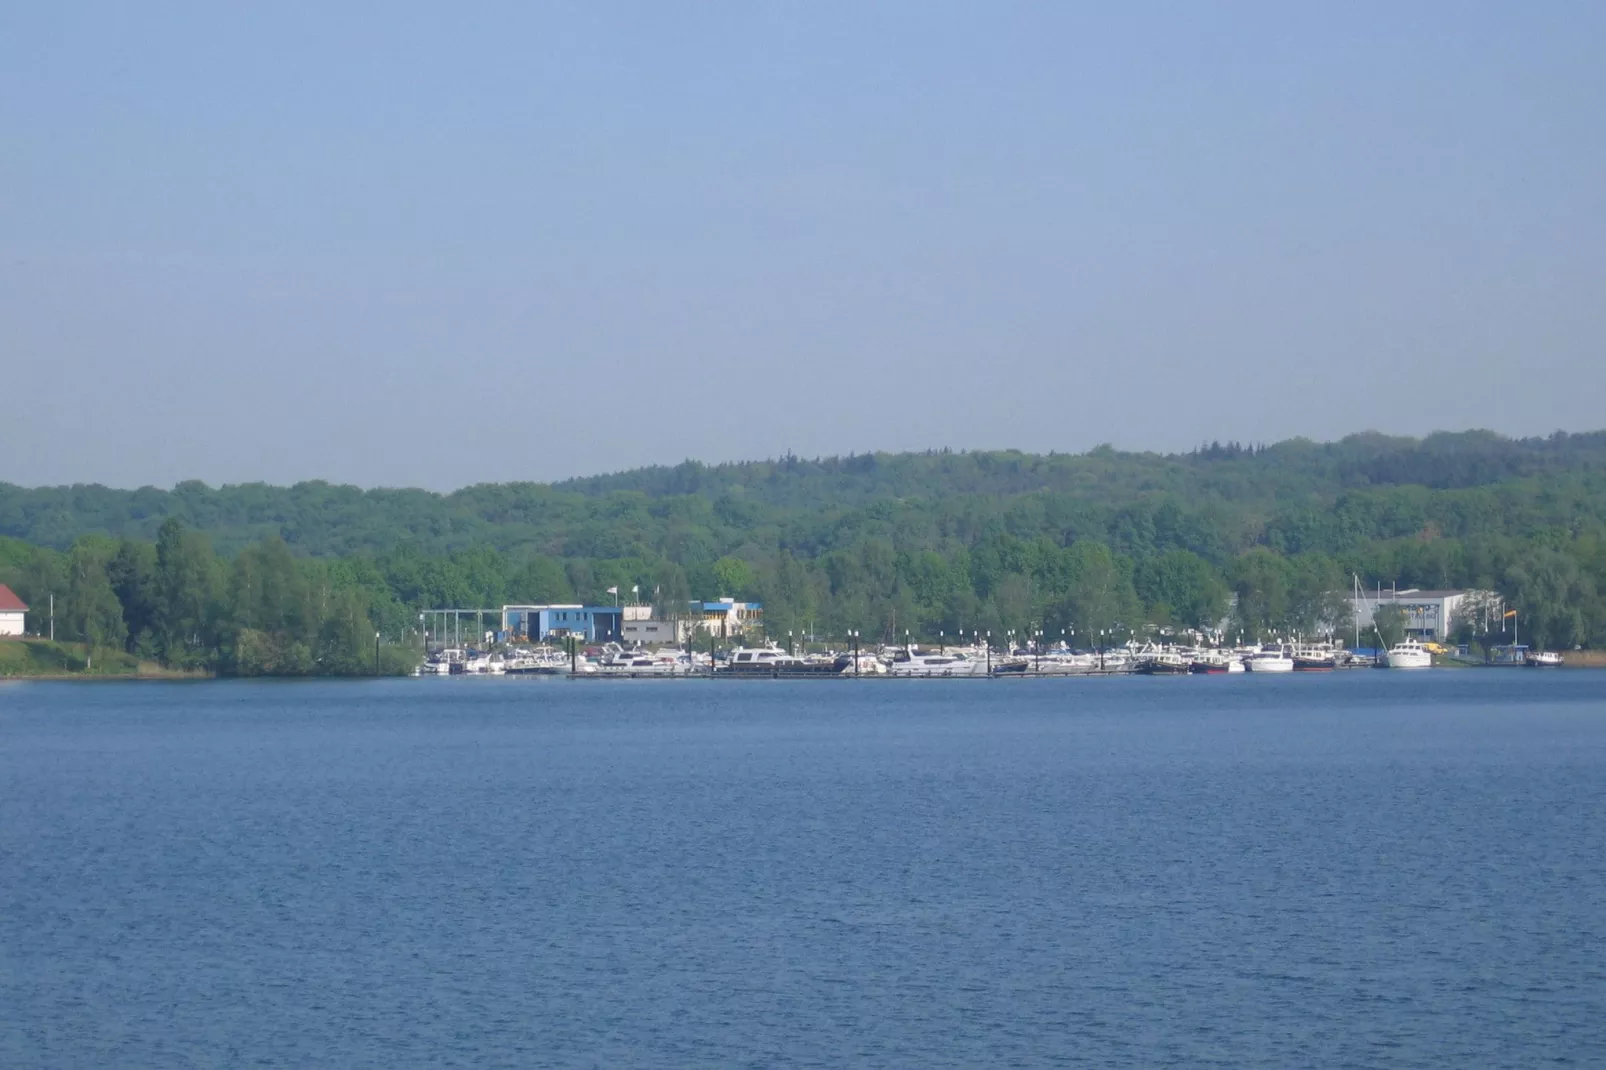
(1161, 663)
(1407, 654)
(1541, 659)
(485, 664)
(542, 661)
(913, 661)
(640, 662)
(764, 661)
(1269, 659)
(1213, 662)
(1315, 658)
(1065, 663)
(858, 665)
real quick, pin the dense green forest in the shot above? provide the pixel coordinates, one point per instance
(253, 578)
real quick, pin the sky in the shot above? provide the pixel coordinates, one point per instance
(429, 244)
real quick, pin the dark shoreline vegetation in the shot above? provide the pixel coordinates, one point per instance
(258, 580)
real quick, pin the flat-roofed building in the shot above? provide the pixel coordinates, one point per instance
(594, 624)
(1429, 615)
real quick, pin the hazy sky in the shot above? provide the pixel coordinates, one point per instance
(434, 244)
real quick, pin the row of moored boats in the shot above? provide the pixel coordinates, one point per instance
(913, 660)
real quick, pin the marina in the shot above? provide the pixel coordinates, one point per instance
(913, 661)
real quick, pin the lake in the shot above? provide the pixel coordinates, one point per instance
(1356, 869)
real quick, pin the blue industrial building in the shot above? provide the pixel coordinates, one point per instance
(594, 624)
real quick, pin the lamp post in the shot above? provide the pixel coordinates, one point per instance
(989, 652)
(376, 653)
(854, 636)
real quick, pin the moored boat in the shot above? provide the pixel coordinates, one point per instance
(1315, 659)
(1541, 659)
(1214, 663)
(1162, 663)
(1271, 659)
(913, 661)
(1406, 654)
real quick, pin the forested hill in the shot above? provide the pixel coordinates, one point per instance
(1216, 500)
(1232, 472)
(255, 578)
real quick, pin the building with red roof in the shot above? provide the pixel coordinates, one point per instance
(12, 611)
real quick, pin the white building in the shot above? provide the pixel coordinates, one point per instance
(1429, 615)
(12, 612)
(648, 632)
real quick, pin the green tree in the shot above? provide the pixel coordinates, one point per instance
(90, 609)
(1100, 597)
(541, 581)
(1388, 625)
(1183, 588)
(132, 574)
(1261, 584)
(185, 594)
(734, 577)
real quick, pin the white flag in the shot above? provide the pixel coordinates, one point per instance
(636, 589)
(613, 590)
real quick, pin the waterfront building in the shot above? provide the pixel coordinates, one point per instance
(725, 618)
(1430, 616)
(13, 611)
(593, 624)
(728, 617)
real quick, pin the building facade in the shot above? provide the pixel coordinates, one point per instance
(725, 618)
(728, 617)
(1429, 615)
(593, 624)
(13, 612)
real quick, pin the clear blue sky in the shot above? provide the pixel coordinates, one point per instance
(433, 244)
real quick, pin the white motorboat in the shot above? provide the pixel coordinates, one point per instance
(1407, 654)
(915, 662)
(1269, 659)
(1065, 663)
(1541, 659)
(763, 661)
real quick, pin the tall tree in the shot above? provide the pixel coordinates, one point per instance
(185, 586)
(91, 612)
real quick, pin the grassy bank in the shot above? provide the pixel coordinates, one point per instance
(43, 659)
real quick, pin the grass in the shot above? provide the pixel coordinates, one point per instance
(44, 658)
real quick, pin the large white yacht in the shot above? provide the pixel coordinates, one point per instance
(1407, 654)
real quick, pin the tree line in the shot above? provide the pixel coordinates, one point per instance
(265, 611)
(297, 580)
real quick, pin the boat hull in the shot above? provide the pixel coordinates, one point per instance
(1161, 668)
(1407, 661)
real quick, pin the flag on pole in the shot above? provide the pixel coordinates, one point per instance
(613, 590)
(635, 588)
(1510, 613)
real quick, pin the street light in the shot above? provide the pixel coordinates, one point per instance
(376, 653)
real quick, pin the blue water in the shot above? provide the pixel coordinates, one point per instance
(1361, 869)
